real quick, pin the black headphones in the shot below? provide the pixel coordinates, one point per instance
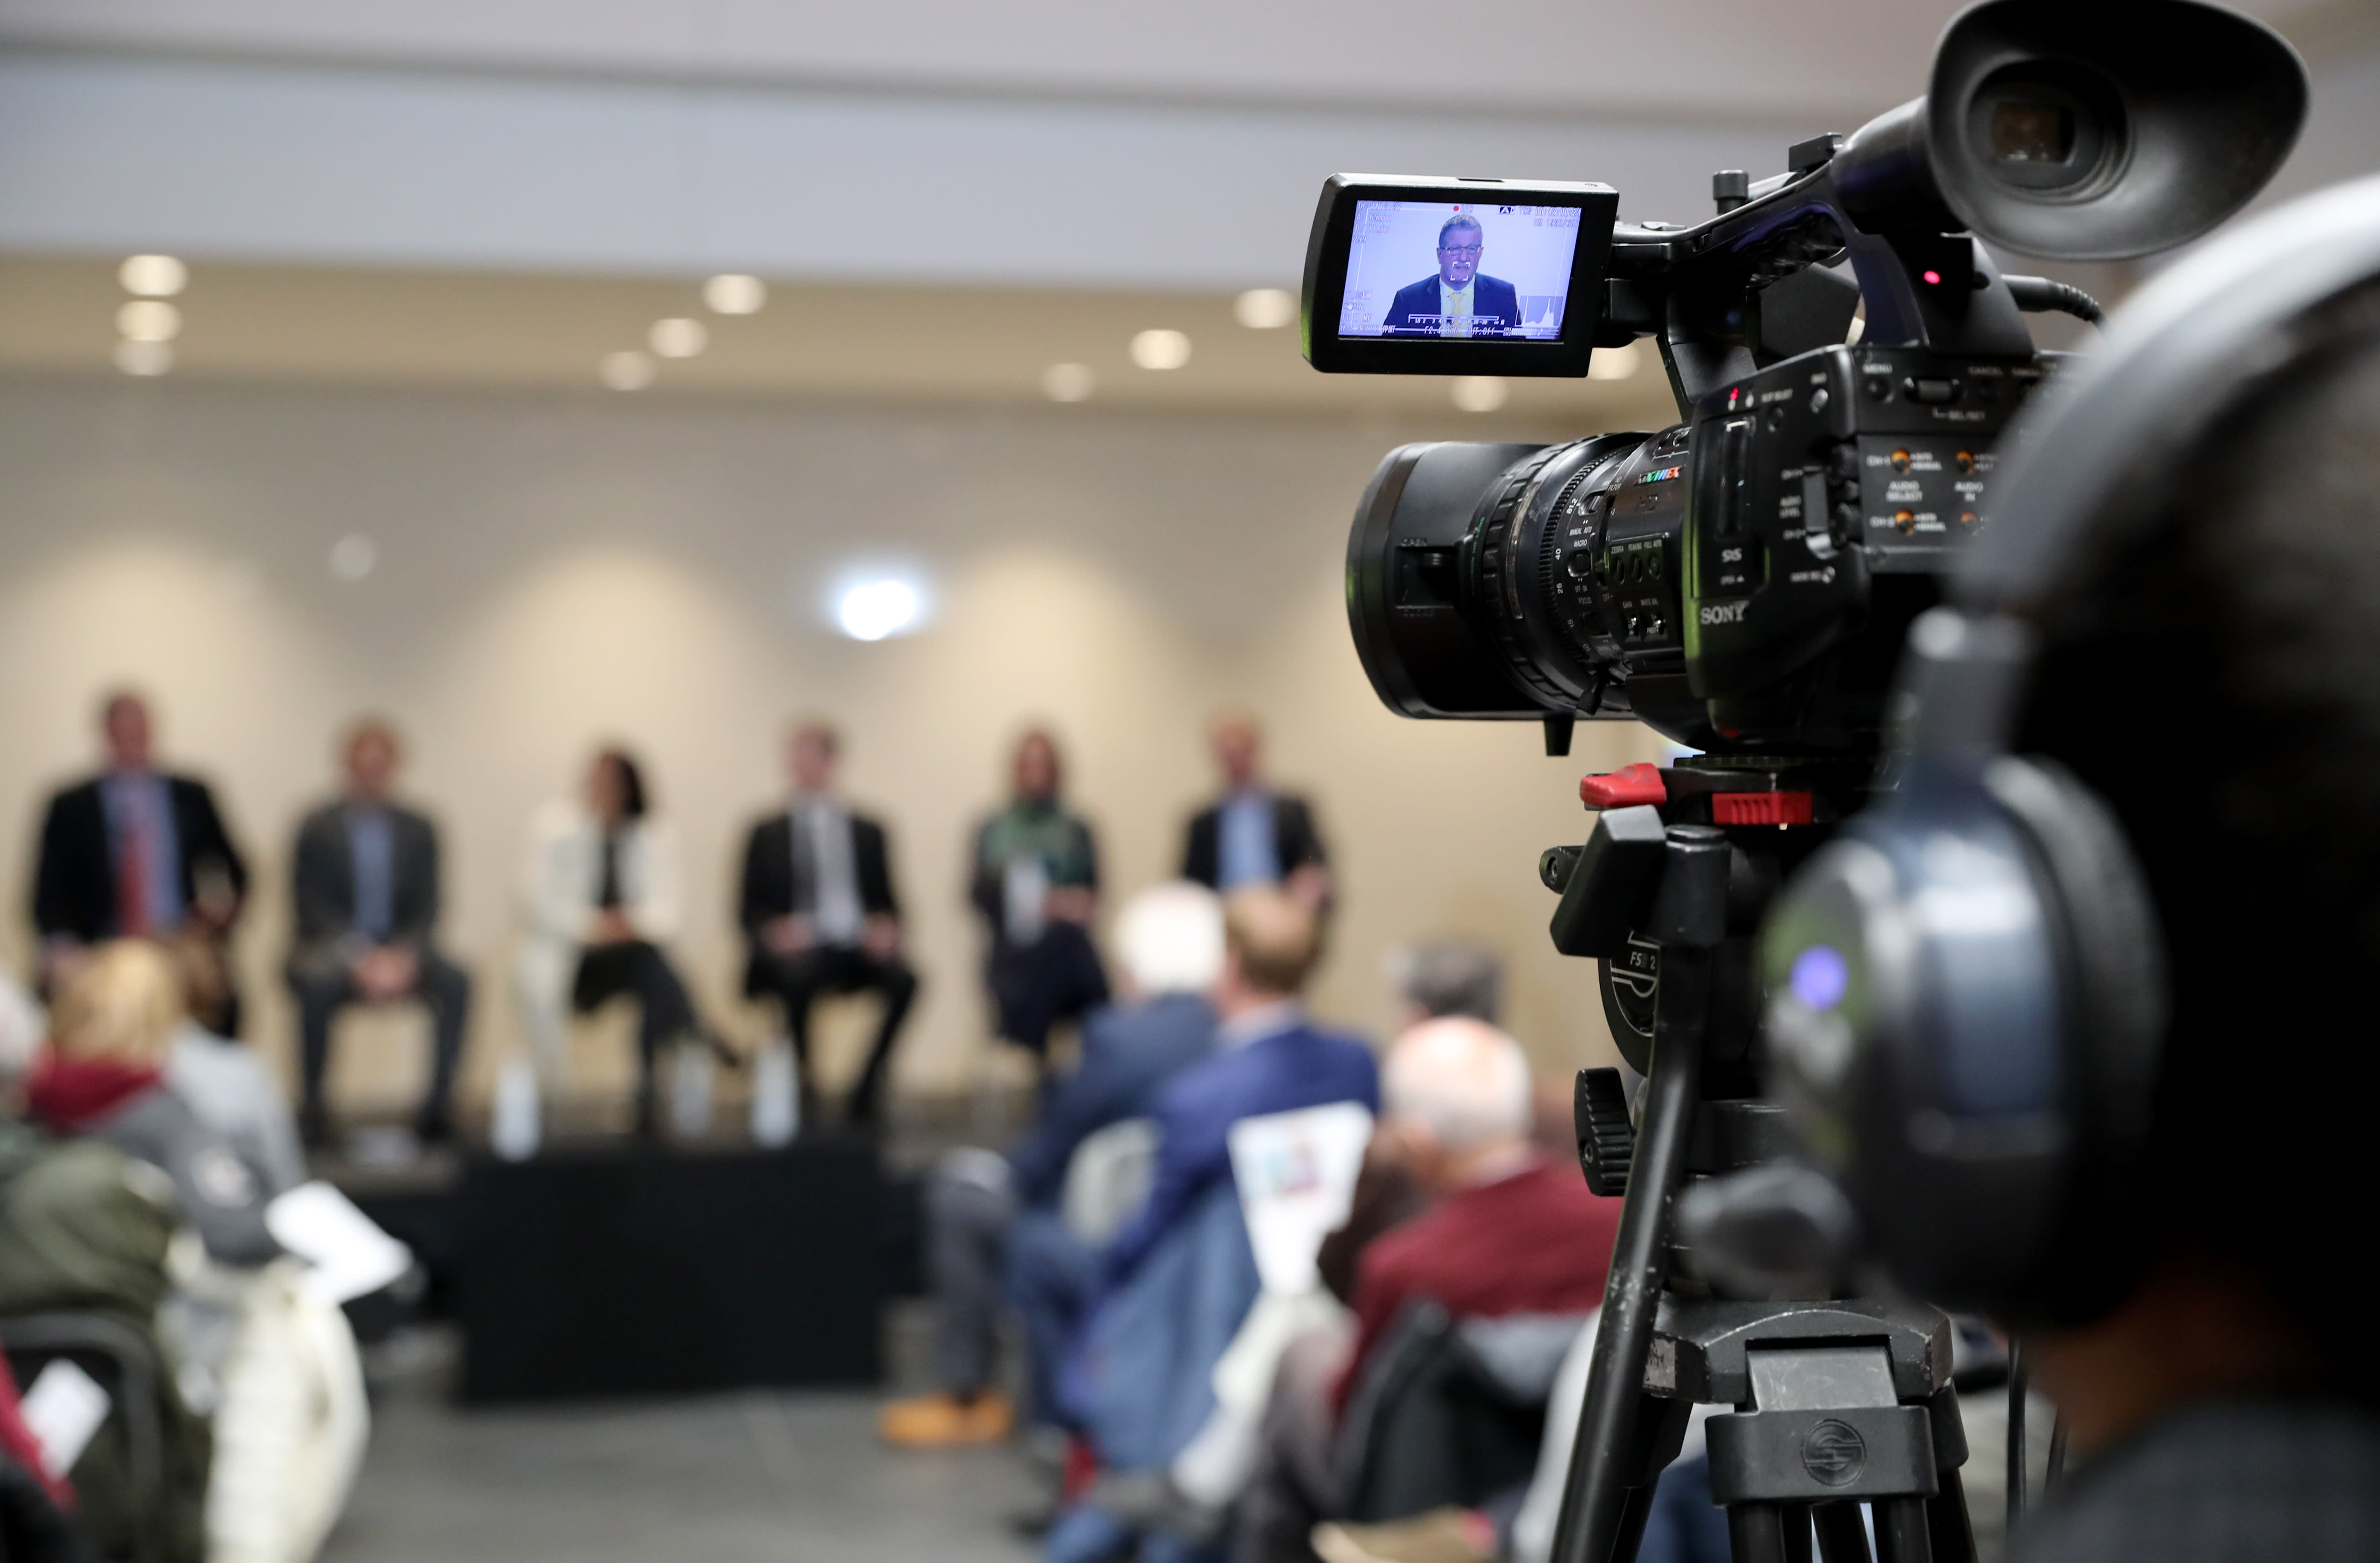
(1967, 986)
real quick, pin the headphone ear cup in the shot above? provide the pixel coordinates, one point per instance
(2113, 960)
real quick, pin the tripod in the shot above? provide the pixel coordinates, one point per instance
(1837, 1402)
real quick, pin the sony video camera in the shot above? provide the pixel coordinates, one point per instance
(1742, 581)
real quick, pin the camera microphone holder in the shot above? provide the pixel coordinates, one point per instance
(1835, 1403)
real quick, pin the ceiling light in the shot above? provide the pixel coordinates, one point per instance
(733, 293)
(678, 338)
(152, 276)
(144, 357)
(1068, 383)
(1478, 392)
(149, 319)
(1266, 309)
(628, 371)
(353, 556)
(1161, 349)
(873, 609)
(1615, 363)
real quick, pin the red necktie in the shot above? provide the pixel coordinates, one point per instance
(132, 872)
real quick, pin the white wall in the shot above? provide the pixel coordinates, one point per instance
(555, 571)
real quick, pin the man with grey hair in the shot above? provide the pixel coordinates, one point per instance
(1446, 977)
(1514, 1229)
(1461, 300)
(994, 1229)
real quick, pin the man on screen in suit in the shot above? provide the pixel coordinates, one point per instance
(818, 908)
(1458, 301)
(364, 883)
(134, 853)
(1254, 835)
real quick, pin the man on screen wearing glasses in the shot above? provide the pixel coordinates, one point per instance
(1459, 301)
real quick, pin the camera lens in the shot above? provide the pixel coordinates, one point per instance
(2047, 126)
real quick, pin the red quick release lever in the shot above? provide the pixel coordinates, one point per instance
(1624, 788)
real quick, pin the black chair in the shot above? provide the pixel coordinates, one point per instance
(125, 1364)
(1437, 1420)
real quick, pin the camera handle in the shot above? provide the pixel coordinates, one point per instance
(1849, 1401)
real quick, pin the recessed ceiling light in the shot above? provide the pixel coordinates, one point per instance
(152, 276)
(1266, 309)
(1068, 383)
(678, 338)
(1161, 349)
(627, 371)
(1478, 392)
(876, 609)
(144, 357)
(353, 557)
(149, 319)
(1615, 363)
(733, 293)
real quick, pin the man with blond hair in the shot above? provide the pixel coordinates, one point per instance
(1269, 1057)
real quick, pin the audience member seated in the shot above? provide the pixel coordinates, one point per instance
(134, 853)
(84, 1228)
(1180, 1279)
(1435, 980)
(1511, 1233)
(364, 883)
(273, 1365)
(1036, 879)
(1254, 835)
(230, 1088)
(600, 893)
(991, 1217)
(820, 913)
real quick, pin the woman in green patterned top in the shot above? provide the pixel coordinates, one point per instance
(1037, 882)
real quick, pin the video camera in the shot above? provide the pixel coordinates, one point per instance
(1743, 580)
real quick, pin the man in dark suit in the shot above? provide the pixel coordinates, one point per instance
(819, 909)
(133, 853)
(1458, 301)
(365, 889)
(1253, 835)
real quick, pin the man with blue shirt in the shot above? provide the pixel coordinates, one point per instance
(365, 889)
(1460, 300)
(1254, 835)
(996, 1234)
(133, 853)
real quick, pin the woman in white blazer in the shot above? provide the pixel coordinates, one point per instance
(599, 896)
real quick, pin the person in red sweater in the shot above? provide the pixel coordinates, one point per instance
(1513, 1231)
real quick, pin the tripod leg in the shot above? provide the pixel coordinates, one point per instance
(1595, 1495)
(1755, 1532)
(1900, 1532)
(2017, 1395)
(1797, 1532)
(1946, 1524)
(1841, 1537)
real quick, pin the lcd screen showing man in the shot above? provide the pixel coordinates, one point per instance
(1492, 272)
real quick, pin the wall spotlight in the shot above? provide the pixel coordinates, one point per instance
(152, 276)
(873, 609)
(1068, 383)
(1266, 309)
(734, 294)
(144, 359)
(1161, 349)
(149, 319)
(678, 338)
(1478, 392)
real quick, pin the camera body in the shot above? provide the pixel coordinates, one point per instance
(1719, 580)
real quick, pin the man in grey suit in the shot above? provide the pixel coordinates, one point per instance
(366, 891)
